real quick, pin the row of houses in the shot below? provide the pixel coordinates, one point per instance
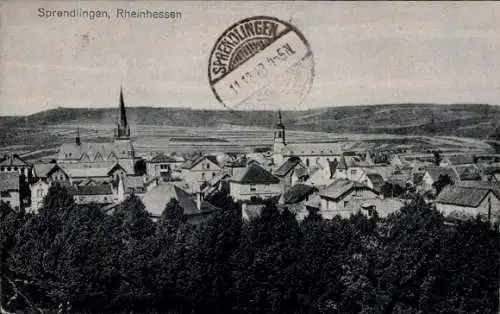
(341, 185)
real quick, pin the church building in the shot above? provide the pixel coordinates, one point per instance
(313, 155)
(91, 157)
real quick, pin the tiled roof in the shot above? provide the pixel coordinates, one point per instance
(158, 197)
(161, 158)
(287, 166)
(377, 181)
(218, 177)
(192, 163)
(44, 170)
(101, 189)
(298, 193)
(463, 195)
(87, 172)
(13, 160)
(101, 151)
(435, 172)
(495, 186)
(255, 174)
(313, 149)
(340, 187)
(9, 181)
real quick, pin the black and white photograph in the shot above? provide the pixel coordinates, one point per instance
(249, 157)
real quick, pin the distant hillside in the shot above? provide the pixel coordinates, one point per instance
(479, 121)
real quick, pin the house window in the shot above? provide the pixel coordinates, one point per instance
(203, 175)
(252, 188)
(354, 171)
(346, 203)
(213, 174)
(307, 162)
(208, 166)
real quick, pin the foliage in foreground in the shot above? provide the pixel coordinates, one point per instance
(74, 258)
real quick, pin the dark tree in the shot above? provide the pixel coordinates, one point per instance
(140, 167)
(136, 221)
(443, 181)
(437, 158)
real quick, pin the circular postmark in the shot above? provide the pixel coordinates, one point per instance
(261, 63)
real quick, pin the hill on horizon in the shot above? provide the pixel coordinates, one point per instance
(466, 120)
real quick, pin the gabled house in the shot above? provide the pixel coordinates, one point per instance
(291, 172)
(400, 177)
(14, 163)
(51, 172)
(374, 181)
(470, 199)
(433, 173)
(156, 199)
(161, 165)
(218, 183)
(254, 182)
(468, 173)
(39, 189)
(339, 197)
(10, 189)
(201, 169)
(100, 194)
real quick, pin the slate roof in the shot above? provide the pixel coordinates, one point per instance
(298, 193)
(377, 181)
(157, 198)
(9, 181)
(435, 172)
(192, 163)
(466, 196)
(44, 170)
(312, 149)
(340, 187)
(162, 158)
(13, 160)
(218, 177)
(87, 172)
(255, 174)
(495, 186)
(399, 177)
(106, 151)
(287, 166)
(87, 181)
(101, 189)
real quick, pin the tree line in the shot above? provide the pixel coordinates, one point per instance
(71, 258)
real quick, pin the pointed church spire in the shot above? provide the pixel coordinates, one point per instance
(279, 134)
(123, 113)
(122, 130)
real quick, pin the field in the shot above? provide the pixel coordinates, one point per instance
(42, 142)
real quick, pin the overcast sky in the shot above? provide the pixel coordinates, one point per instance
(365, 53)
